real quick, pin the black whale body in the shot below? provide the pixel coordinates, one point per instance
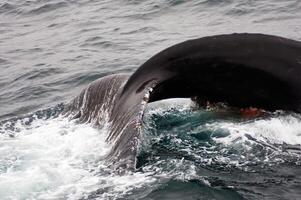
(241, 70)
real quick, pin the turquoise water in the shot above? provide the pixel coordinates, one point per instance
(51, 49)
(218, 155)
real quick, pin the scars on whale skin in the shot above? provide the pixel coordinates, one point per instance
(241, 70)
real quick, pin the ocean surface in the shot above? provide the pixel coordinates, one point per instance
(51, 49)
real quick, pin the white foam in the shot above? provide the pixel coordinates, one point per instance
(158, 107)
(59, 159)
(284, 129)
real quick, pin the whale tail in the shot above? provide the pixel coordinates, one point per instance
(241, 70)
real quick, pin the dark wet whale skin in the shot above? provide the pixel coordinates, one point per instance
(241, 70)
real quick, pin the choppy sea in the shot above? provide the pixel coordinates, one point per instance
(51, 49)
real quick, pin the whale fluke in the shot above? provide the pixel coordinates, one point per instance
(241, 70)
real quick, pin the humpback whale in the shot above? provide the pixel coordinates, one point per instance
(241, 70)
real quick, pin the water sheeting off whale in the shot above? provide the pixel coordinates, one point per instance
(241, 70)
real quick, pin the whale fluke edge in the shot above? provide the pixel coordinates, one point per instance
(241, 70)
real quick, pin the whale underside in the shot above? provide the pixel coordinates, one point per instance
(240, 70)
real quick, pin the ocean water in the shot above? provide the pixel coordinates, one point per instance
(51, 49)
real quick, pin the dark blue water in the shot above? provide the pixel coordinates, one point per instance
(51, 49)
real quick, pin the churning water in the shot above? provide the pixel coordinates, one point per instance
(51, 49)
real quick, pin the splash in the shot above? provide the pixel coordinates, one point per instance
(59, 159)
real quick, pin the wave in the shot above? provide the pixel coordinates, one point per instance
(47, 155)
